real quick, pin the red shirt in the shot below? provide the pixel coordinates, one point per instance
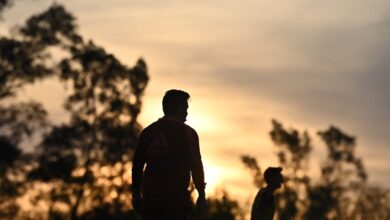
(170, 151)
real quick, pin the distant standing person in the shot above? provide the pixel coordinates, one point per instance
(264, 205)
(166, 156)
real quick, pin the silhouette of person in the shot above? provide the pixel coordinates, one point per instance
(166, 156)
(263, 207)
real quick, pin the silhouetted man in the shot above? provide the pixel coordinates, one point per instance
(264, 205)
(170, 150)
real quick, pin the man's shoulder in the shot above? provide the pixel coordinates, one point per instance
(164, 124)
(266, 196)
(168, 123)
(189, 128)
(190, 131)
(150, 128)
(260, 193)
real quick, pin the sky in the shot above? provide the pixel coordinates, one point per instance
(309, 64)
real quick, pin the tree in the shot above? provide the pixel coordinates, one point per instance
(4, 4)
(221, 207)
(82, 164)
(294, 149)
(341, 192)
(372, 203)
(18, 121)
(251, 163)
(342, 178)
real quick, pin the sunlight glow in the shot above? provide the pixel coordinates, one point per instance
(202, 122)
(214, 176)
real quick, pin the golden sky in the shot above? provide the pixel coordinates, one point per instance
(306, 63)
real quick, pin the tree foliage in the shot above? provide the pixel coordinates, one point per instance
(222, 207)
(342, 178)
(4, 4)
(341, 192)
(293, 150)
(251, 163)
(80, 168)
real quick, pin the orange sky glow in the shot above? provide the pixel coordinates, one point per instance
(308, 64)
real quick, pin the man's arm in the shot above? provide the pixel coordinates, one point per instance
(137, 171)
(196, 162)
(197, 170)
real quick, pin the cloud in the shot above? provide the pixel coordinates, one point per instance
(308, 63)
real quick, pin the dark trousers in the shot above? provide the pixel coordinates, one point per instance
(166, 213)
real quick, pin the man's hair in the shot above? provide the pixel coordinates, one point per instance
(172, 99)
(271, 172)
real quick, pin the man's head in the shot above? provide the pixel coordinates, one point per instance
(273, 176)
(175, 104)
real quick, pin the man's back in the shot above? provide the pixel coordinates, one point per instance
(167, 173)
(165, 147)
(264, 205)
